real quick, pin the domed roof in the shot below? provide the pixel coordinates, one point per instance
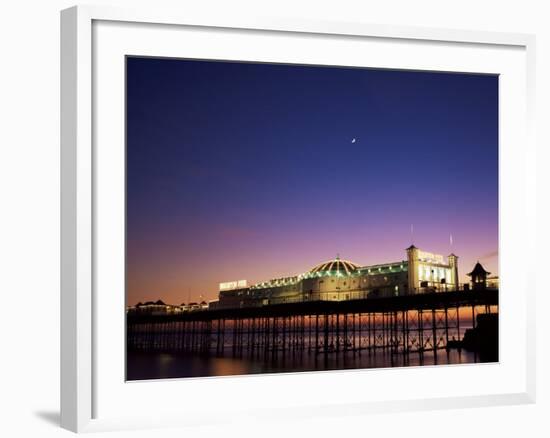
(335, 266)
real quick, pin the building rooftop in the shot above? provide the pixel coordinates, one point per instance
(336, 266)
(478, 270)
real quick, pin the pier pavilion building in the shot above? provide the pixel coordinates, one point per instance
(338, 280)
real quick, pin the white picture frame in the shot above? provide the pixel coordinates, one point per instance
(85, 375)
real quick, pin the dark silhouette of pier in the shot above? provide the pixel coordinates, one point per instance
(400, 325)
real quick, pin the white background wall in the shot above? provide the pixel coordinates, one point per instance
(29, 215)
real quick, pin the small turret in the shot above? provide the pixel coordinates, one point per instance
(479, 277)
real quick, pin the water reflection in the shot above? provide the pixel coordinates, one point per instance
(149, 365)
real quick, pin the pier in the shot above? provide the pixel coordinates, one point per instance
(398, 325)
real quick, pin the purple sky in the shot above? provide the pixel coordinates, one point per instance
(248, 171)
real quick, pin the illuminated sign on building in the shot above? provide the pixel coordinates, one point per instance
(231, 285)
(430, 257)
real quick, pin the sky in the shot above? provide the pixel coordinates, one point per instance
(255, 171)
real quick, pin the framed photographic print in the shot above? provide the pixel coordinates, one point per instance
(252, 209)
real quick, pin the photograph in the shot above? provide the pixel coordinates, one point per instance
(285, 218)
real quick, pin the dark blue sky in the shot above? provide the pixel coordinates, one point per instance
(240, 170)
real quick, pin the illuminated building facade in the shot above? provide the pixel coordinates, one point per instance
(158, 307)
(339, 280)
(153, 308)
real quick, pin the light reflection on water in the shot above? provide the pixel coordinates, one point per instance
(150, 365)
